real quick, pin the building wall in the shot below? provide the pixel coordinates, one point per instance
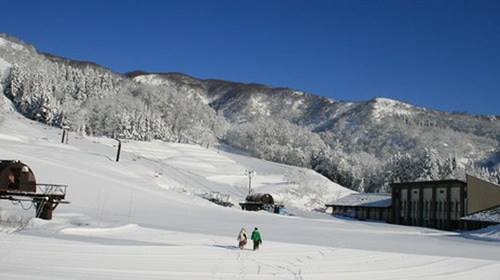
(363, 213)
(435, 204)
(373, 213)
(481, 195)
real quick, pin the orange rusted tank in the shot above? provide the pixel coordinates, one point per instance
(16, 176)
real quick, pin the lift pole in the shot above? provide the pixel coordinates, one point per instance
(119, 149)
(250, 174)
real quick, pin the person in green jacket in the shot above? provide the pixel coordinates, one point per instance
(256, 238)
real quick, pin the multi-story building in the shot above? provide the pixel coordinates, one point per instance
(442, 204)
(445, 204)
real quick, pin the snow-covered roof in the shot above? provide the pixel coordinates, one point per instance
(364, 200)
(491, 215)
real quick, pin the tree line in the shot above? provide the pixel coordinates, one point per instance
(94, 101)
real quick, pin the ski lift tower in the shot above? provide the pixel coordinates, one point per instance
(17, 183)
(250, 174)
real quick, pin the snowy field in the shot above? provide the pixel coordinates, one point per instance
(144, 218)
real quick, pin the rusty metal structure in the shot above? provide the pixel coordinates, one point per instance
(260, 201)
(18, 184)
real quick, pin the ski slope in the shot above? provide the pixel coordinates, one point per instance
(143, 217)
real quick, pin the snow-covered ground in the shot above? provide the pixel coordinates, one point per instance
(143, 218)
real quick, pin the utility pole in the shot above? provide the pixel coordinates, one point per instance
(65, 134)
(119, 149)
(250, 174)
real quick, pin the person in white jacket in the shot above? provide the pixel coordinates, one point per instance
(242, 238)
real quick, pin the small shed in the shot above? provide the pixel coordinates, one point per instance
(260, 201)
(363, 206)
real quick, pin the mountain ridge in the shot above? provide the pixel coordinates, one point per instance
(278, 124)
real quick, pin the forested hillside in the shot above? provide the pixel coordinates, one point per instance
(361, 145)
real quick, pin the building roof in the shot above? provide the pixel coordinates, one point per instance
(363, 200)
(491, 215)
(428, 183)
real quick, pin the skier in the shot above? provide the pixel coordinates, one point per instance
(242, 238)
(257, 239)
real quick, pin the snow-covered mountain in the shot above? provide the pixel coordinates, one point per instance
(143, 218)
(361, 145)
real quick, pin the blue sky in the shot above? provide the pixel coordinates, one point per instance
(442, 54)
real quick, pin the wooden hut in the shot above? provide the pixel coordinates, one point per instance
(260, 201)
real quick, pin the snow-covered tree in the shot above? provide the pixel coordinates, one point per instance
(428, 166)
(449, 169)
(276, 140)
